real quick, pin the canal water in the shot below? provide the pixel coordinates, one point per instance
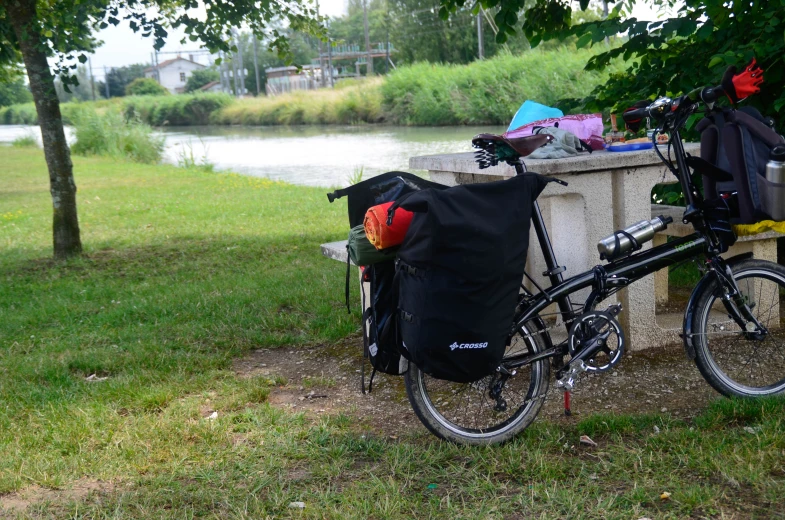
(310, 155)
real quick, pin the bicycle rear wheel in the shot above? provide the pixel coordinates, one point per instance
(465, 413)
(730, 360)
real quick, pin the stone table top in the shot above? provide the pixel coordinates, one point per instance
(600, 160)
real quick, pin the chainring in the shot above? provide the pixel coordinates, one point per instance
(597, 326)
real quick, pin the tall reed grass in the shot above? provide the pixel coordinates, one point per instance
(111, 134)
(488, 91)
(350, 102)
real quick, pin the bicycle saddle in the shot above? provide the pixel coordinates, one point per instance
(494, 148)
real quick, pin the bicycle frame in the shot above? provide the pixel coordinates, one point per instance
(608, 278)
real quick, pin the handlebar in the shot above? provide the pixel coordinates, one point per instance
(664, 106)
(635, 115)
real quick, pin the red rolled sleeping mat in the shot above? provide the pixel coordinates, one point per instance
(379, 233)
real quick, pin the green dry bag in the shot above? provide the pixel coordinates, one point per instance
(362, 252)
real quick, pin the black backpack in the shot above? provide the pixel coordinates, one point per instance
(740, 143)
(459, 273)
(381, 342)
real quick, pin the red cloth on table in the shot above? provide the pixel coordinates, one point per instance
(379, 233)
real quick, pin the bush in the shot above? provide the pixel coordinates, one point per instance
(200, 78)
(13, 91)
(145, 87)
(183, 109)
(24, 114)
(113, 135)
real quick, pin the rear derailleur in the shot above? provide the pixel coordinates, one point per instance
(498, 380)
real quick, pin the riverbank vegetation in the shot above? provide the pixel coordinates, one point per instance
(122, 395)
(350, 102)
(482, 92)
(111, 134)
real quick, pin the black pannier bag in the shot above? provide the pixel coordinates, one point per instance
(740, 143)
(379, 320)
(377, 190)
(459, 273)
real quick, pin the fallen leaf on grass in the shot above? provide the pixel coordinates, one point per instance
(665, 495)
(586, 440)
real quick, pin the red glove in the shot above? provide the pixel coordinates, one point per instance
(742, 85)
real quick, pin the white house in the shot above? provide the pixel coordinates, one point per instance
(172, 74)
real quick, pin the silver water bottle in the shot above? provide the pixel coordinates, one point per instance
(775, 168)
(619, 243)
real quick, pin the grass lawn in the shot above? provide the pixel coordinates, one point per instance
(186, 271)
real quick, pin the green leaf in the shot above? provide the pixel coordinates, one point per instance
(686, 28)
(48, 33)
(584, 40)
(705, 30)
(82, 58)
(716, 60)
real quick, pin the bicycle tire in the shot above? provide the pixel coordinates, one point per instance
(731, 362)
(427, 395)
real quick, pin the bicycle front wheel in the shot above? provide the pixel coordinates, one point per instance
(466, 413)
(729, 358)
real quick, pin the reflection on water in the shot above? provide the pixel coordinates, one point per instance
(312, 155)
(317, 156)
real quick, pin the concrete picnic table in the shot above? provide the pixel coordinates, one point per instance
(607, 191)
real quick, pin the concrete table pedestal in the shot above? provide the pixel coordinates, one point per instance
(607, 191)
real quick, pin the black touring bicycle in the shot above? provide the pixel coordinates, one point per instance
(733, 324)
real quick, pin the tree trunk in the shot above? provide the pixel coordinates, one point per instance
(66, 239)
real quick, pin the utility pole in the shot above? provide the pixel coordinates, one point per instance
(240, 65)
(387, 52)
(369, 67)
(234, 74)
(322, 82)
(226, 82)
(106, 82)
(330, 56)
(92, 79)
(480, 49)
(256, 64)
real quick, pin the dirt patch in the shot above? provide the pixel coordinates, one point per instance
(21, 501)
(325, 380)
(657, 380)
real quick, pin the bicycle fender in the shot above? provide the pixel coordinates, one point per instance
(697, 293)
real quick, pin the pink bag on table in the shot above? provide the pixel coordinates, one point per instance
(588, 127)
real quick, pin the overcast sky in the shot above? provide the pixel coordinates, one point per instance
(123, 47)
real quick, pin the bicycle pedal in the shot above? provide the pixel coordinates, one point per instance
(568, 380)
